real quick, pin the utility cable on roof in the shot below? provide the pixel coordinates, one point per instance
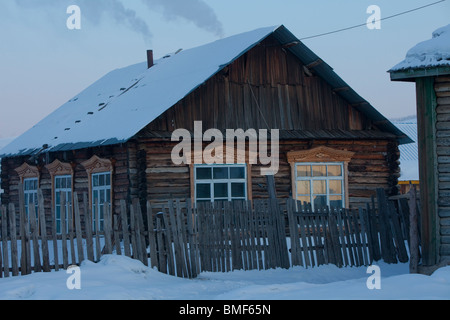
(364, 24)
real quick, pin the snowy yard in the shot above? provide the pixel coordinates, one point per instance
(121, 278)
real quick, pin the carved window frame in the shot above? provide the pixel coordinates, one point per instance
(320, 154)
(99, 165)
(61, 169)
(26, 171)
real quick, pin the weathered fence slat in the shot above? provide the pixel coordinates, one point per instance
(43, 227)
(4, 216)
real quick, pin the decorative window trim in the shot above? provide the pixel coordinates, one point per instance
(320, 154)
(58, 168)
(26, 171)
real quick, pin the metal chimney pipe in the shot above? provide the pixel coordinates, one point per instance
(149, 58)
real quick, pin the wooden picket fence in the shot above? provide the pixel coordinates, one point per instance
(183, 240)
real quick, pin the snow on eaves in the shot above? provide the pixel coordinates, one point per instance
(430, 53)
(119, 105)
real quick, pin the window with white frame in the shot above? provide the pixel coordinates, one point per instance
(30, 187)
(220, 182)
(320, 184)
(101, 194)
(63, 188)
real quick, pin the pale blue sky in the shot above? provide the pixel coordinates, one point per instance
(43, 64)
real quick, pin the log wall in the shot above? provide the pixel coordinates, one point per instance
(442, 89)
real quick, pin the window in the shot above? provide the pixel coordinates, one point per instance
(62, 188)
(319, 176)
(101, 193)
(321, 184)
(220, 183)
(30, 187)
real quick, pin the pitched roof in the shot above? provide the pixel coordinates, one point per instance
(427, 58)
(119, 105)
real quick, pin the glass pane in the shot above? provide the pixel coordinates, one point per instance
(336, 202)
(101, 180)
(95, 182)
(204, 173)
(335, 186)
(220, 173)
(102, 197)
(108, 179)
(319, 201)
(237, 173)
(335, 171)
(57, 183)
(303, 171)
(220, 190)
(238, 190)
(303, 187)
(320, 187)
(319, 171)
(203, 191)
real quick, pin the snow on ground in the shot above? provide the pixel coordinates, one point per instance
(121, 278)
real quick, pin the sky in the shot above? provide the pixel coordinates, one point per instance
(43, 63)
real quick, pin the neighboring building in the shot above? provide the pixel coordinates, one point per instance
(409, 154)
(113, 140)
(3, 143)
(428, 65)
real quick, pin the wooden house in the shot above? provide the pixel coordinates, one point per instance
(113, 141)
(428, 66)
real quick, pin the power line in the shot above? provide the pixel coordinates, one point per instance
(364, 24)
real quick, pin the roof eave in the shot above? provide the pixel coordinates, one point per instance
(411, 74)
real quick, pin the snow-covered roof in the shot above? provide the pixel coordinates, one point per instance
(431, 53)
(123, 102)
(409, 153)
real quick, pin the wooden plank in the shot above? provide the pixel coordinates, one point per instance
(169, 250)
(116, 231)
(293, 233)
(44, 240)
(162, 261)
(345, 242)
(192, 239)
(180, 266)
(88, 227)
(398, 236)
(357, 236)
(135, 240)
(64, 231)
(13, 237)
(364, 236)
(78, 231)
(152, 236)
(414, 232)
(141, 232)
(181, 230)
(71, 233)
(4, 216)
(304, 242)
(35, 237)
(96, 214)
(107, 228)
(125, 233)
(55, 240)
(333, 225)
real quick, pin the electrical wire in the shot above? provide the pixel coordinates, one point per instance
(364, 24)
